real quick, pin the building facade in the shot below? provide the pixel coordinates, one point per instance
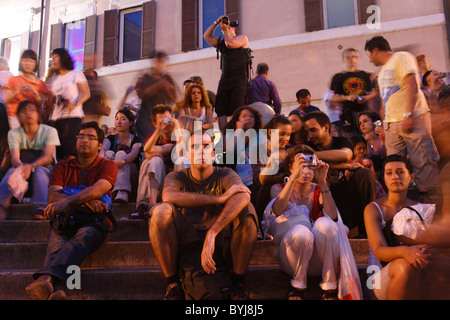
(300, 40)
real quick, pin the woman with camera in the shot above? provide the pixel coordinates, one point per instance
(301, 218)
(25, 87)
(372, 130)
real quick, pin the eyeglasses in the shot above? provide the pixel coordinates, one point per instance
(90, 137)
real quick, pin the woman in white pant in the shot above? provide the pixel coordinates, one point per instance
(304, 230)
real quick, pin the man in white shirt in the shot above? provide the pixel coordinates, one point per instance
(407, 121)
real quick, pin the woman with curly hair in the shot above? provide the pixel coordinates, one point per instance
(196, 104)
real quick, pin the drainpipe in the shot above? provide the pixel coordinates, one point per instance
(40, 39)
(447, 20)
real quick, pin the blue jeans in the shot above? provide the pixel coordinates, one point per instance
(40, 178)
(71, 249)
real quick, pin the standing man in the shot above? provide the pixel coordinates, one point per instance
(71, 245)
(407, 120)
(263, 93)
(207, 205)
(232, 89)
(352, 88)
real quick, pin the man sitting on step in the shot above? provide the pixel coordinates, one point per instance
(204, 205)
(79, 220)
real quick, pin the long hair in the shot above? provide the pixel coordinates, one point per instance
(258, 119)
(188, 97)
(65, 58)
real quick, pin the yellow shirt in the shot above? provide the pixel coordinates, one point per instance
(393, 91)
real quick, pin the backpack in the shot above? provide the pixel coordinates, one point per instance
(197, 284)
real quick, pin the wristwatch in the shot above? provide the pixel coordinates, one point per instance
(408, 115)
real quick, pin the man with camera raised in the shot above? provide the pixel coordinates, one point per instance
(235, 58)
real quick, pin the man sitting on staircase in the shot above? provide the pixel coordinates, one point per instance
(205, 207)
(78, 210)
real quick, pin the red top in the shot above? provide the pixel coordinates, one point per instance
(69, 173)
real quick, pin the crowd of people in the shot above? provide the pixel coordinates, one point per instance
(309, 180)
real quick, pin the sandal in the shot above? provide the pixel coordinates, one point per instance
(296, 294)
(330, 295)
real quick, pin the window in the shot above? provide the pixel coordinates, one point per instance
(11, 51)
(130, 35)
(74, 42)
(339, 13)
(328, 14)
(210, 11)
(198, 15)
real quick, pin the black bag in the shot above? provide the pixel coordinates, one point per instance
(197, 284)
(80, 216)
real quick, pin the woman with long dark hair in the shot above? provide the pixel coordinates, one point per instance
(70, 90)
(25, 87)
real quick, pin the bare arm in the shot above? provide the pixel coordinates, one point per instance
(335, 156)
(209, 34)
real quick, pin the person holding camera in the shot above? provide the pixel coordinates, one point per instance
(234, 49)
(301, 218)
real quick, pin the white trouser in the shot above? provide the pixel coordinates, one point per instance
(315, 251)
(150, 168)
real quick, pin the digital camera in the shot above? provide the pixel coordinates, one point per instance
(311, 160)
(234, 24)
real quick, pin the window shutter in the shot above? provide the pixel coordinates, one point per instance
(90, 35)
(148, 30)
(56, 36)
(362, 7)
(313, 15)
(232, 9)
(189, 33)
(110, 40)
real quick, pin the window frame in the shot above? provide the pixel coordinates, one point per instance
(325, 14)
(122, 13)
(67, 25)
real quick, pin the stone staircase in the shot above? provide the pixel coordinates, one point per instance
(125, 267)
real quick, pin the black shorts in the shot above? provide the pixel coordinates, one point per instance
(188, 236)
(231, 94)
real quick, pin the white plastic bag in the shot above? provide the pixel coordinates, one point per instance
(407, 222)
(17, 184)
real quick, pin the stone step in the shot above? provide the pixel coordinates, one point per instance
(111, 254)
(24, 211)
(37, 231)
(262, 283)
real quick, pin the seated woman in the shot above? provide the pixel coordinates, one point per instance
(307, 238)
(374, 135)
(244, 119)
(124, 149)
(411, 265)
(299, 134)
(196, 104)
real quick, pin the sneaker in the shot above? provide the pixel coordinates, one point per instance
(174, 292)
(239, 293)
(121, 197)
(141, 212)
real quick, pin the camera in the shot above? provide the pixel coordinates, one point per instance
(234, 24)
(311, 160)
(378, 123)
(166, 121)
(442, 75)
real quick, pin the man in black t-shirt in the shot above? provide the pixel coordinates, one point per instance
(352, 88)
(204, 204)
(352, 195)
